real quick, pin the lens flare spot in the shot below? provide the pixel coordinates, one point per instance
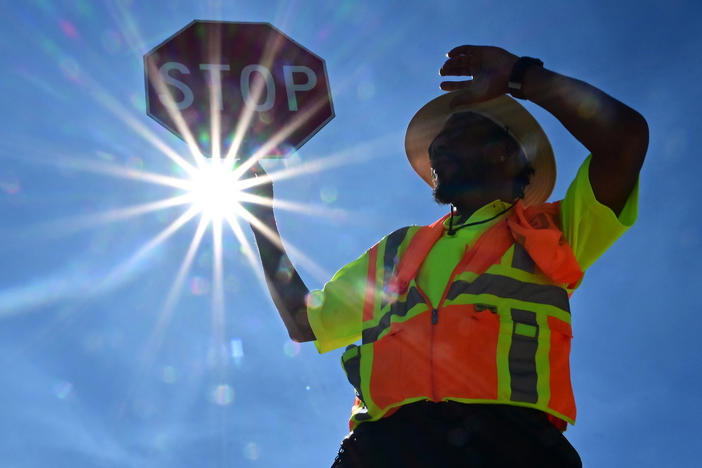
(222, 395)
(135, 162)
(236, 347)
(138, 102)
(292, 160)
(10, 184)
(204, 136)
(328, 194)
(285, 270)
(68, 29)
(588, 107)
(169, 374)
(323, 33)
(314, 299)
(70, 68)
(251, 451)
(105, 156)
(63, 389)
(291, 348)
(176, 169)
(199, 286)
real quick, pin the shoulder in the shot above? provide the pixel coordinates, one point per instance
(544, 216)
(397, 236)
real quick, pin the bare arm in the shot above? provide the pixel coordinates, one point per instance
(615, 134)
(287, 289)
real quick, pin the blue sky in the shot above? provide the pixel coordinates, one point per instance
(90, 377)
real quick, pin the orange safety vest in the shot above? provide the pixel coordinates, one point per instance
(500, 333)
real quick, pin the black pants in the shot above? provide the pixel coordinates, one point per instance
(447, 435)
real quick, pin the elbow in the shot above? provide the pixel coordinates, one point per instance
(638, 133)
(633, 138)
(301, 336)
(641, 131)
(299, 329)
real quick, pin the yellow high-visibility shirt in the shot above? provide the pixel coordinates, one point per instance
(335, 312)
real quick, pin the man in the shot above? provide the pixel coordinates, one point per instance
(465, 324)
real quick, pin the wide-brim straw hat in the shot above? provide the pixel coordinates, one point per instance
(504, 111)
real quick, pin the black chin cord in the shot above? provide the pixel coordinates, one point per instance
(452, 231)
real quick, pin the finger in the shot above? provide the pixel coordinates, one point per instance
(455, 85)
(463, 50)
(461, 65)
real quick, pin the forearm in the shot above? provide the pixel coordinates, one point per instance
(287, 289)
(615, 134)
(594, 118)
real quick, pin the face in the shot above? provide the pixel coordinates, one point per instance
(473, 158)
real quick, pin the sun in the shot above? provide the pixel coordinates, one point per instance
(214, 190)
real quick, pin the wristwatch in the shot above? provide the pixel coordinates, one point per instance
(516, 78)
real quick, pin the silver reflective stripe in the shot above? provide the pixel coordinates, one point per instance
(522, 260)
(351, 362)
(510, 288)
(522, 356)
(399, 309)
(390, 260)
(392, 245)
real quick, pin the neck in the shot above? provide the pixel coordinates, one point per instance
(469, 202)
(463, 212)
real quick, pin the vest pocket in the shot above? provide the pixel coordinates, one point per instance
(464, 352)
(401, 366)
(559, 358)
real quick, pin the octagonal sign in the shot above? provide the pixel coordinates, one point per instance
(245, 86)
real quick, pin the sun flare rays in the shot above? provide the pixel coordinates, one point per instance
(211, 199)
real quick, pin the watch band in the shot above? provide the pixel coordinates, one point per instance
(516, 78)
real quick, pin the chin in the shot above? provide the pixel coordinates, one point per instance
(448, 193)
(440, 199)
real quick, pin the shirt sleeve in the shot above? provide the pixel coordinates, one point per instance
(335, 313)
(589, 226)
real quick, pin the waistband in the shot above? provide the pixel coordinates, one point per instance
(452, 412)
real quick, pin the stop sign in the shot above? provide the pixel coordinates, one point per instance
(242, 83)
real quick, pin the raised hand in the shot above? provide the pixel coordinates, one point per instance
(489, 66)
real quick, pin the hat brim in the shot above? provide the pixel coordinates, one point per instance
(427, 123)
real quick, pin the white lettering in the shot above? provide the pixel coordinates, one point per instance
(168, 79)
(215, 72)
(291, 87)
(246, 91)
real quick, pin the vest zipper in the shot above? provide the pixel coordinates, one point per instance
(435, 319)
